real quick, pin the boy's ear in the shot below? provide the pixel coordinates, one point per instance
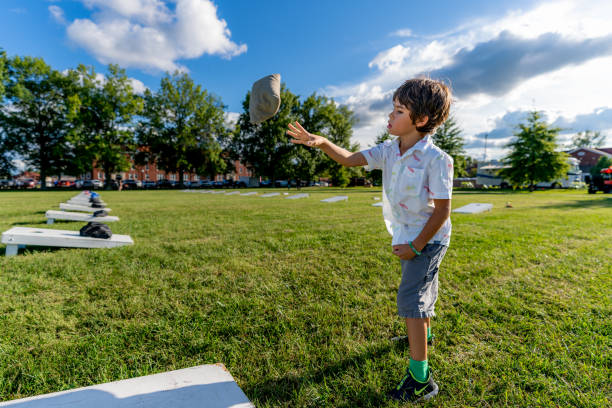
(422, 121)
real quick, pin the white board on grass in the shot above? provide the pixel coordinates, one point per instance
(76, 216)
(217, 192)
(296, 196)
(249, 194)
(233, 193)
(270, 195)
(377, 205)
(335, 199)
(84, 208)
(22, 236)
(205, 192)
(210, 386)
(473, 208)
(82, 202)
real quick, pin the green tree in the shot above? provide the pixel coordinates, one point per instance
(602, 163)
(587, 138)
(106, 120)
(6, 163)
(534, 155)
(180, 127)
(448, 138)
(376, 175)
(37, 116)
(3, 72)
(265, 147)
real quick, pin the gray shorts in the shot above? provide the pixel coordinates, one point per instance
(418, 291)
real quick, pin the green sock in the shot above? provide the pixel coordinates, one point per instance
(419, 370)
(429, 336)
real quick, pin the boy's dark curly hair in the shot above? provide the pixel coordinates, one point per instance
(425, 97)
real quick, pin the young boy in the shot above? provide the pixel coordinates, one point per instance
(417, 189)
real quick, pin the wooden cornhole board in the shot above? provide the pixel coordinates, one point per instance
(210, 386)
(84, 208)
(76, 216)
(18, 237)
(296, 196)
(78, 201)
(335, 199)
(270, 195)
(473, 208)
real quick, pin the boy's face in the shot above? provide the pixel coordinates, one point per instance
(400, 122)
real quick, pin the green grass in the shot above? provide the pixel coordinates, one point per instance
(297, 299)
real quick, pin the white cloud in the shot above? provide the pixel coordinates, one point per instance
(564, 90)
(150, 34)
(58, 14)
(405, 32)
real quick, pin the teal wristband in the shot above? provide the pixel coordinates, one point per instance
(413, 248)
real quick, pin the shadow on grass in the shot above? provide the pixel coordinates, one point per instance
(283, 390)
(605, 202)
(32, 249)
(29, 223)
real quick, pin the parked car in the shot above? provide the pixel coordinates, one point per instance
(78, 183)
(4, 184)
(166, 183)
(218, 184)
(91, 184)
(66, 183)
(129, 184)
(149, 184)
(265, 183)
(281, 183)
(28, 183)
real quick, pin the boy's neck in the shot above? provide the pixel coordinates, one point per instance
(409, 140)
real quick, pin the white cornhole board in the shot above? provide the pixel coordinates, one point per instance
(210, 386)
(205, 192)
(82, 202)
(473, 208)
(249, 194)
(270, 195)
(76, 216)
(294, 197)
(377, 205)
(335, 199)
(84, 208)
(233, 193)
(22, 236)
(217, 192)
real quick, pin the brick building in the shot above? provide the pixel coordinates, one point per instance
(589, 157)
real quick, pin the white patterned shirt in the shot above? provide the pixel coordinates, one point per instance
(410, 183)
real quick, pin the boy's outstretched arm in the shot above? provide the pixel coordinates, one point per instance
(337, 153)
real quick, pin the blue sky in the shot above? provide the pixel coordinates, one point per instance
(502, 58)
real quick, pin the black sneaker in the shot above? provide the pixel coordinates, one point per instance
(409, 389)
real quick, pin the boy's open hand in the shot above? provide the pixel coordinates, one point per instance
(403, 252)
(301, 136)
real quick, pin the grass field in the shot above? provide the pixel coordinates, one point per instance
(297, 299)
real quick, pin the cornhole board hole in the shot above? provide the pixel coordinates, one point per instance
(270, 195)
(233, 193)
(335, 199)
(249, 194)
(473, 208)
(210, 386)
(84, 208)
(22, 236)
(377, 205)
(53, 215)
(296, 196)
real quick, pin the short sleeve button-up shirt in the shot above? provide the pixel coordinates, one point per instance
(410, 184)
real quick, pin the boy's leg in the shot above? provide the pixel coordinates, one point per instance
(417, 336)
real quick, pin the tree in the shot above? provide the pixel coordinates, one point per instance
(376, 174)
(3, 71)
(6, 163)
(534, 156)
(587, 138)
(448, 138)
(265, 147)
(37, 117)
(180, 126)
(602, 163)
(106, 120)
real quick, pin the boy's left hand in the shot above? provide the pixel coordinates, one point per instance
(403, 252)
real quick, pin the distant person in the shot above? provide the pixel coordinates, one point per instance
(417, 190)
(118, 179)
